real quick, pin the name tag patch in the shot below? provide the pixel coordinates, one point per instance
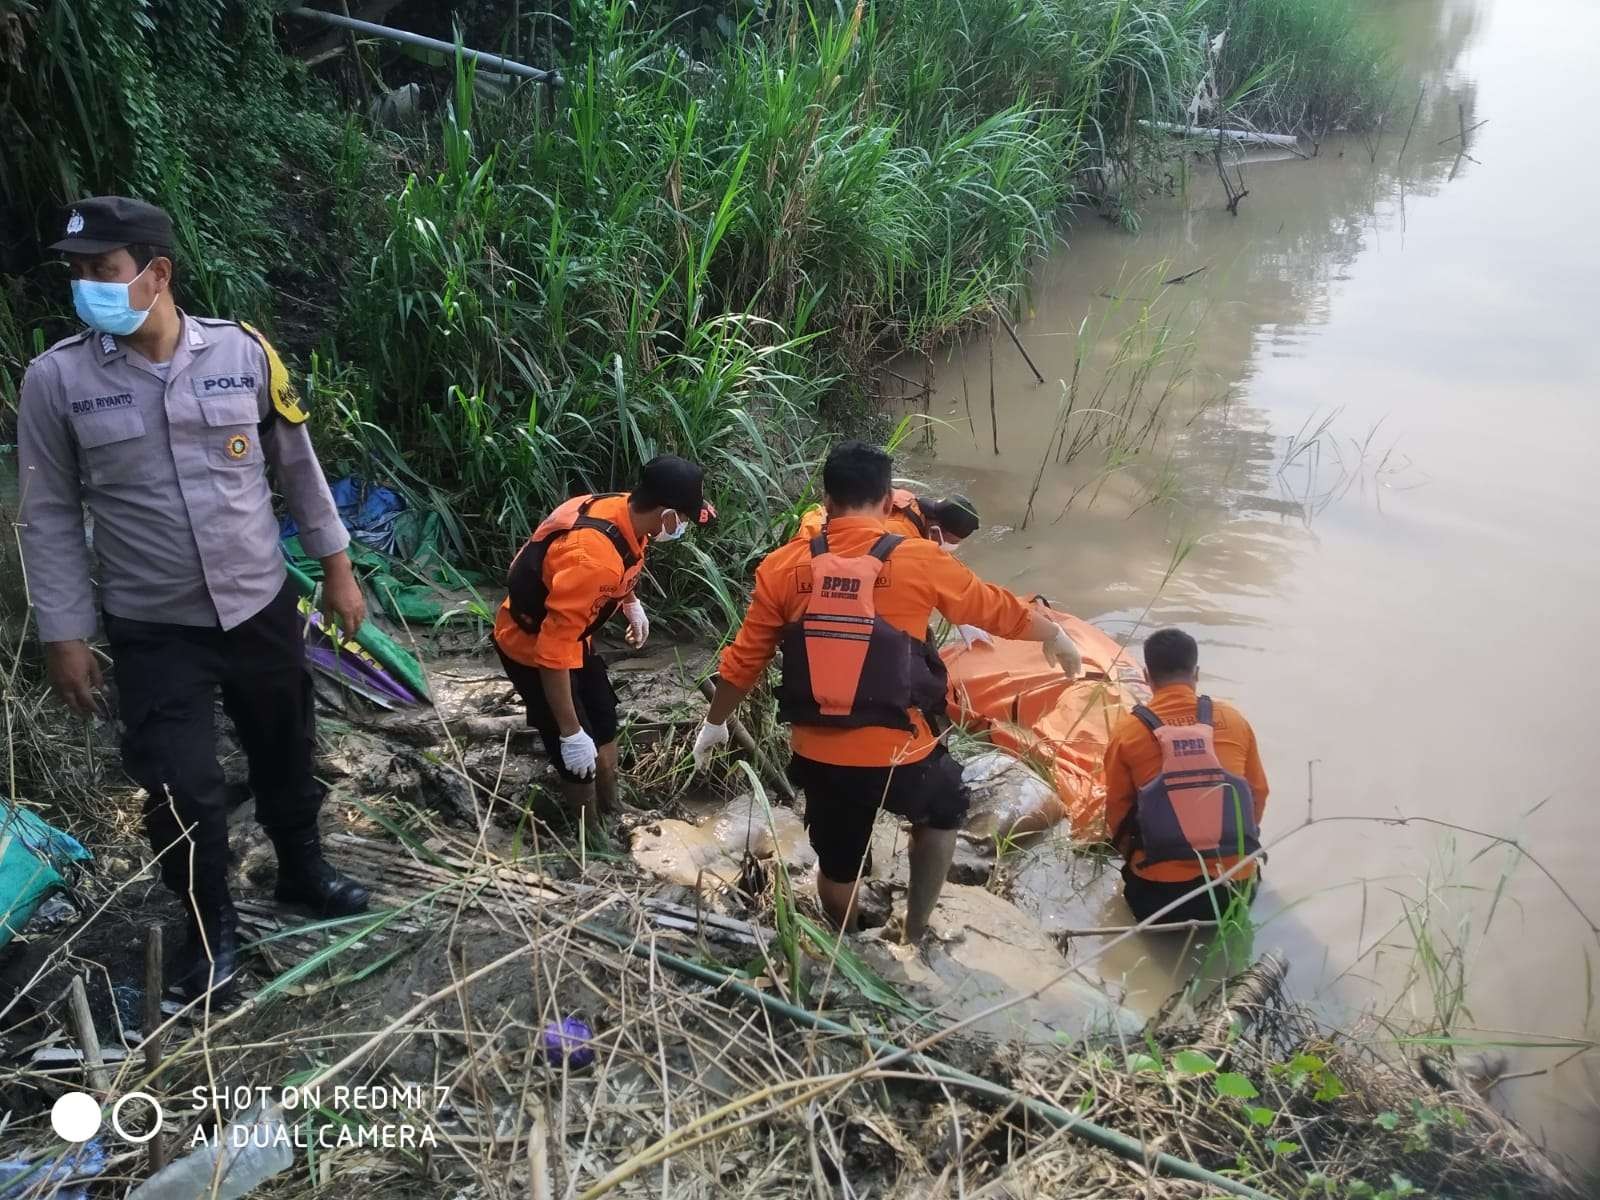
(215, 385)
(102, 403)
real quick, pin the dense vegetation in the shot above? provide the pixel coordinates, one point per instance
(720, 219)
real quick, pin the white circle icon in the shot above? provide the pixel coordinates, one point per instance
(116, 1117)
(75, 1117)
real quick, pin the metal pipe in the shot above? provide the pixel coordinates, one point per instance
(1117, 1143)
(493, 62)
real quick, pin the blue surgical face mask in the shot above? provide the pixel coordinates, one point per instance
(683, 527)
(105, 307)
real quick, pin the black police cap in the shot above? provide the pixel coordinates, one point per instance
(100, 223)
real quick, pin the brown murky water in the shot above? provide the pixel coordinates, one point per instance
(1408, 603)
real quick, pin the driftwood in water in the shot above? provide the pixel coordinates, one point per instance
(1240, 1002)
(1235, 135)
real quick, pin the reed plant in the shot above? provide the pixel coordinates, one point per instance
(698, 244)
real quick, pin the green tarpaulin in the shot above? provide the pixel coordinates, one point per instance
(414, 590)
(33, 856)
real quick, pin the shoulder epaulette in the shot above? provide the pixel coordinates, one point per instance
(76, 339)
(286, 400)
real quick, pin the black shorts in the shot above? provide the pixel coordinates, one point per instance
(1146, 897)
(842, 803)
(592, 697)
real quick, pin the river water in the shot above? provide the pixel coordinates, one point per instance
(1408, 601)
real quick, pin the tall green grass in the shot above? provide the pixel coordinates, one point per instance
(1319, 68)
(700, 244)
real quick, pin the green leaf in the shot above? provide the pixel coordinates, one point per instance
(1284, 1149)
(1230, 1084)
(1138, 1063)
(1387, 1120)
(1332, 1087)
(1192, 1062)
(1306, 1064)
(1260, 1116)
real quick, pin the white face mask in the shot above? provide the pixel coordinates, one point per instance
(939, 540)
(681, 526)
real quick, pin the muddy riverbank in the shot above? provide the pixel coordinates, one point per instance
(695, 1006)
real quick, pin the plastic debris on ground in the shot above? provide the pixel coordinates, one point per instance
(398, 553)
(349, 663)
(253, 1148)
(53, 1177)
(568, 1039)
(35, 859)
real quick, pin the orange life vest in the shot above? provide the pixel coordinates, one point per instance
(1194, 808)
(843, 664)
(528, 592)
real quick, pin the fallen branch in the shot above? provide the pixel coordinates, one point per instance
(1236, 135)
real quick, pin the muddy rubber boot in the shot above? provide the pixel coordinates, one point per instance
(308, 879)
(210, 957)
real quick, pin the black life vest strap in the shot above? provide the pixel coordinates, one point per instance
(618, 541)
(881, 549)
(1150, 720)
(917, 515)
(885, 546)
(1203, 710)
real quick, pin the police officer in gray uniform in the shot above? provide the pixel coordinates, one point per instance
(164, 425)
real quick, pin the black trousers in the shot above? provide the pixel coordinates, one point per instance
(168, 677)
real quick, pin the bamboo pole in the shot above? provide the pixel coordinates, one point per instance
(94, 1063)
(151, 1031)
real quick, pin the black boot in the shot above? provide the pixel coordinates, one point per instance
(306, 878)
(210, 954)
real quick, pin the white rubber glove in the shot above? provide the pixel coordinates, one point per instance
(706, 742)
(973, 636)
(1061, 651)
(578, 754)
(638, 623)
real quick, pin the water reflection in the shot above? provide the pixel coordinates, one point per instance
(1377, 488)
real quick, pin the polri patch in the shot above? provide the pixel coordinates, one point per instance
(217, 385)
(238, 446)
(102, 403)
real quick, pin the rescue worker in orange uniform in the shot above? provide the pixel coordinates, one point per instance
(849, 608)
(579, 568)
(946, 523)
(1185, 791)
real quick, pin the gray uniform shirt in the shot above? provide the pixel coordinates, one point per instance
(174, 473)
